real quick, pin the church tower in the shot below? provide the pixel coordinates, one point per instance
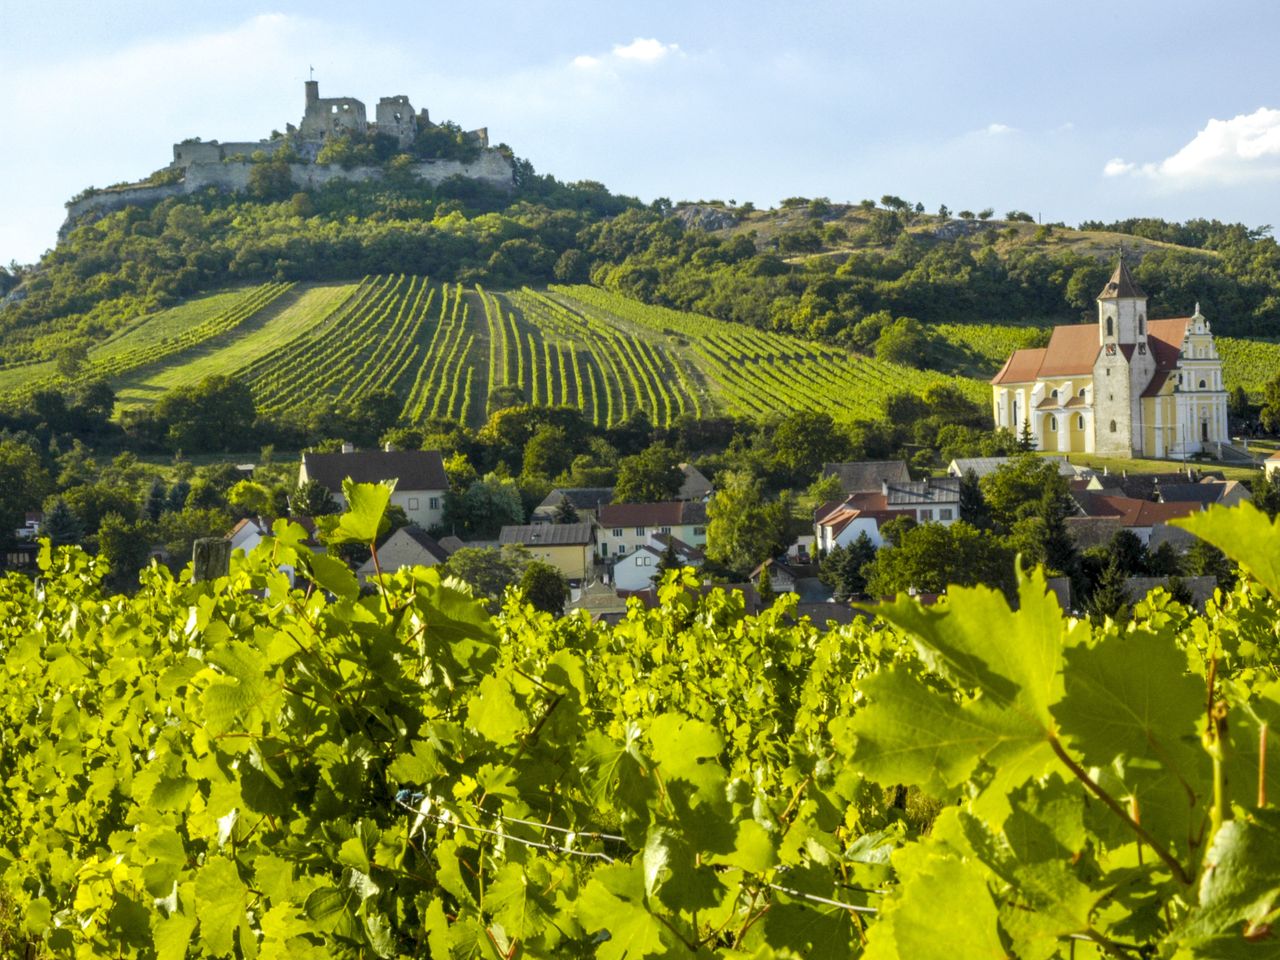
(1124, 368)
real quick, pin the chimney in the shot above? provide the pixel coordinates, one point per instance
(389, 448)
(348, 447)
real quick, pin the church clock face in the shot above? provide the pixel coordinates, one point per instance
(1111, 349)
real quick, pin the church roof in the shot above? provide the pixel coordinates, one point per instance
(1073, 350)
(1121, 284)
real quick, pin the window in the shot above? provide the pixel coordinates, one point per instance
(1201, 384)
(646, 561)
(1108, 371)
(413, 503)
(664, 529)
(1081, 392)
(1054, 394)
(1142, 325)
(1110, 328)
(944, 513)
(434, 503)
(699, 531)
(617, 531)
(1113, 426)
(639, 531)
(924, 514)
(1080, 421)
(1053, 422)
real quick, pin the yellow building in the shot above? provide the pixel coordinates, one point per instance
(569, 547)
(1124, 387)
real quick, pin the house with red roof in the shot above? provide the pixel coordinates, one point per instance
(1125, 386)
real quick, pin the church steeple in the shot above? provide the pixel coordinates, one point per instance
(1121, 285)
(1122, 308)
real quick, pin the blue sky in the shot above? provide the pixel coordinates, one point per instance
(1069, 111)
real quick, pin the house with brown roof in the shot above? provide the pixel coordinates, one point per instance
(419, 475)
(625, 527)
(1125, 386)
(1104, 513)
(867, 476)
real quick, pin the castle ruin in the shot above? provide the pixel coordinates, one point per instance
(199, 164)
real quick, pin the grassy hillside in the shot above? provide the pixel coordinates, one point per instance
(441, 348)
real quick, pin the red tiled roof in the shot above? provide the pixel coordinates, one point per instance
(1072, 350)
(1157, 384)
(1166, 338)
(1021, 367)
(1137, 513)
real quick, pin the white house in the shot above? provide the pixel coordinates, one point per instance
(1272, 465)
(421, 482)
(637, 570)
(625, 527)
(839, 523)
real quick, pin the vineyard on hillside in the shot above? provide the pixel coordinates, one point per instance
(440, 349)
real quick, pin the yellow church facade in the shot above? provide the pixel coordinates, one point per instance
(1125, 386)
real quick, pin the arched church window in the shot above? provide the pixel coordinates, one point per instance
(1082, 391)
(1054, 394)
(1113, 426)
(1142, 325)
(1080, 421)
(1110, 328)
(1053, 423)
(1202, 384)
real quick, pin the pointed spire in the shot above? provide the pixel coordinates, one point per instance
(1121, 285)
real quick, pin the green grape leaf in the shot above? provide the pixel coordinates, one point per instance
(1245, 534)
(1239, 896)
(1130, 707)
(330, 573)
(618, 774)
(494, 714)
(911, 734)
(753, 849)
(172, 935)
(687, 750)
(362, 522)
(220, 904)
(614, 902)
(242, 697)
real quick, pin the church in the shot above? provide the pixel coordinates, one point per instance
(1125, 387)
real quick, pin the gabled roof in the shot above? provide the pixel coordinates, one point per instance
(547, 534)
(683, 550)
(867, 475)
(411, 469)
(983, 466)
(672, 513)
(1121, 284)
(1136, 513)
(931, 490)
(1165, 337)
(424, 540)
(1072, 351)
(1023, 366)
(583, 498)
(695, 486)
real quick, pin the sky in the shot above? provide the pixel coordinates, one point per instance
(1086, 110)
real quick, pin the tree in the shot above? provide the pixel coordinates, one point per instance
(986, 213)
(1110, 598)
(179, 530)
(1019, 488)
(1270, 413)
(742, 529)
(126, 546)
(932, 556)
(903, 341)
(842, 567)
(270, 181)
(484, 508)
(60, 525)
(566, 512)
(1266, 493)
(765, 586)
(250, 499)
(154, 503)
(1026, 439)
(548, 452)
(215, 414)
(973, 506)
(544, 586)
(24, 483)
(1238, 403)
(653, 476)
(802, 442)
(90, 502)
(310, 499)
(1202, 559)
(669, 560)
(489, 570)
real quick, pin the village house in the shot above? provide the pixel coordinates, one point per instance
(586, 501)
(625, 527)
(867, 476)
(637, 570)
(1123, 387)
(409, 546)
(421, 482)
(840, 522)
(695, 485)
(984, 466)
(566, 546)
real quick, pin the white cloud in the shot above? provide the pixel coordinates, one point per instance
(1242, 149)
(640, 50)
(996, 129)
(644, 50)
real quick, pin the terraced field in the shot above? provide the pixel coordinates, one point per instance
(441, 349)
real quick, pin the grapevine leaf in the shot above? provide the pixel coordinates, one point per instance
(494, 713)
(1013, 658)
(1245, 534)
(366, 509)
(618, 774)
(332, 574)
(220, 904)
(1239, 903)
(242, 697)
(753, 849)
(515, 902)
(1131, 707)
(687, 750)
(911, 734)
(172, 935)
(614, 902)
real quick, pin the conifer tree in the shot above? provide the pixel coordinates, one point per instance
(60, 525)
(973, 505)
(1110, 597)
(155, 502)
(566, 512)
